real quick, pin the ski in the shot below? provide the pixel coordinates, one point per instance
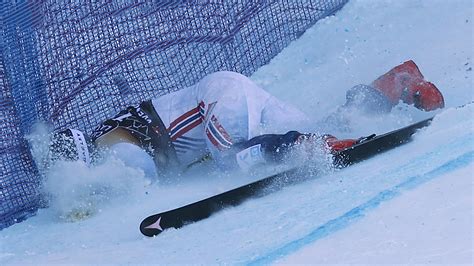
(368, 147)
(374, 145)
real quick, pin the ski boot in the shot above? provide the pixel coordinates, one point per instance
(406, 83)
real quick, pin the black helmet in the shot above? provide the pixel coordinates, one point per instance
(70, 145)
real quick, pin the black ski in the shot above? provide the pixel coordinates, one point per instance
(377, 144)
(368, 147)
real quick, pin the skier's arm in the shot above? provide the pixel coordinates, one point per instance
(279, 148)
(263, 149)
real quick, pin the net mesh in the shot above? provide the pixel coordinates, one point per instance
(75, 63)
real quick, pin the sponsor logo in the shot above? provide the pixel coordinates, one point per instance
(250, 157)
(142, 114)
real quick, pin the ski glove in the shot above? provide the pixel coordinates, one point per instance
(268, 148)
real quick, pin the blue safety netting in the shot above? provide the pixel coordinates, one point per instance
(75, 63)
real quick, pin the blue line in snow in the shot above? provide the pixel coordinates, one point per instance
(360, 211)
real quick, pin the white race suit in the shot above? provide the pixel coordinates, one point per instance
(223, 108)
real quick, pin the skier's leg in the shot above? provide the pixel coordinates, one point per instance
(402, 83)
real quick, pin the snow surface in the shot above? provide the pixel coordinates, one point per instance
(409, 205)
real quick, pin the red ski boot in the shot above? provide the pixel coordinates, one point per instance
(405, 82)
(424, 95)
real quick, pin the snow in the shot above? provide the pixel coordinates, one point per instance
(440, 233)
(409, 205)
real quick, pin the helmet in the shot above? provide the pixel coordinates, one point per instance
(70, 145)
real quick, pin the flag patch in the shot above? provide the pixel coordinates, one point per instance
(217, 134)
(186, 122)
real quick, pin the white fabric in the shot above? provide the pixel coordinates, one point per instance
(238, 105)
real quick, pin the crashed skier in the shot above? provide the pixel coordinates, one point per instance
(227, 117)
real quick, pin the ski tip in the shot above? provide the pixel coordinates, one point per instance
(151, 226)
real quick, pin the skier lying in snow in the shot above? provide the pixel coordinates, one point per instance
(224, 115)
